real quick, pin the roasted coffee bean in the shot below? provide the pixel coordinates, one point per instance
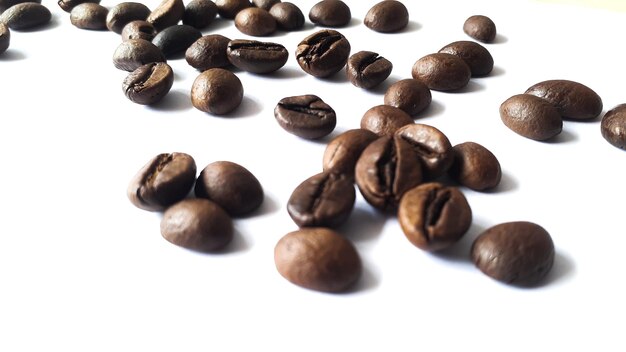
(25, 16)
(306, 116)
(573, 100)
(288, 16)
(343, 151)
(265, 4)
(431, 146)
(518, 253)
(330, 13)
(323, 53)
(89, 15)
(410, 95)
(480, 28)
(166, 14)
(176, 39)
(133, 53)
(324, 200)
(5, 37)
(386, 169)
(367, 69)
(476, 56)
(531, 117)
(163, 181)
(229, 8)
(5, 4)
(149, 83)
(138, 30)
(475, 167)
(384, 120)
(613, 126)
(122, 13)
(68, 5)
(256, 57)
(216, 91)
(318, 259)
(387, 16)
(208, 52)
(433, 216)
(197, 224)
(200, 13)
(255, 21)
(231, 186)
(442, 72)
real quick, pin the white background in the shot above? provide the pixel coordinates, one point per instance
(81, 269)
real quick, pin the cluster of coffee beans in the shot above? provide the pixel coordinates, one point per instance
(20, 15)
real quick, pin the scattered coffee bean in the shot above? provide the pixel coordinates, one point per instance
(476, 56)
(410, 95)
(122, 13)
(176, 39)
(573, 100)
(343, 151)
(330, 13)
(531, 117)
(385, 120)
(387, 16)
(480, 28)
(318, 259)
(149, 83)
(228, 9)
(367, 69)
(138, 30)
(475, 167)
(68, 5)
(265, 4)
(613, 126)
(89, 15)
(5, 37)
(288, 16)
(200, 13)
(255, 21)
(442, 72)
(306, 116)
(323, 53)
(133, 53)
(166, 14)
(26, 15)
(208, 52)
(5, 4)
(256, 57)
(518, 253)
(431, 146)
(216, 91)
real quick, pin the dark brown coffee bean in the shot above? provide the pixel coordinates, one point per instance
(228, 9)
(518, 253)
(442, 72)
(5, 37)
(216, 91)
(288, 16)
(386, 169)
(306, 116)
(176, 39)
(384, 120)
(148, 84)
(330, 13)
(89, 15)
(367, 69)
(531, 117)
(255, 21)
(475, 167)
(122, 13)
(256, 57)
(133, 53)
(68, 5)
(573, 100)
(197, 224)
(480, 28)
(433, 216)
(476, 56)
(613, 126)
(163, 181)
(410, 95)
(208, 52)
(323, 53)
(166, 14)
(5, 4)
(387, 16)
(25, 16)
(200, 13)
(431, 146)
(318, 259)
(265, 4)
(138, 30)
(343, 151)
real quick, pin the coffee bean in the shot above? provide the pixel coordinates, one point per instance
(5, 4)
(480, 28)
(288, 16)
(442, 72)
(148, 84)
(518, 253)
(176, 39)
(433, 216)
(5, 38)
(231, 186)
(410, 95)
(255, 21)
(531, 117)
(256, 57)
(163, 181)
(124, 12)
(367, 69)
(166, 14)
(475, 167)
(387, 16)
(265, 4)
(197, 224)
(26, 15)
(216, 91)
(89, 15)
(306, 116)
(200, 13)
(343, 151)
(384, 120)
(431, 146)
(613, 126)
(208, 52)
(323, 53)
(476, 56)
(573, 100)
(325, 200)
(386, 169)
(318, 259)
(138, 29)
(68, 5)
(133, 53)
(330, 13)
(229, 8)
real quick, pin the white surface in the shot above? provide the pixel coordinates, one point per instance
(81, 269)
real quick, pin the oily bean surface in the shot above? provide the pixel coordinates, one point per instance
(573, 100)
(133, 53)
(409, 95)
(255, 56)
(367, 69)
(384, 120)
(138, 29)
(432, 147)
(342, 153)
(167, 13)
(200, 13)
(323, 53)
(613, 126)
(387, 17)
(442, 71)
(330, 13)
(531, 117)
(89, 15)
(69, 5)
(208, 52)
(5, 37)
(216, 91)
(305, 116)
(288, 16)
(265, 4)
(255, 21)
(475, 167)
(476, 56)
(176, 39)
(481, 28)
(26, 15)
(122, 13)
(148, 84)
(228, 9)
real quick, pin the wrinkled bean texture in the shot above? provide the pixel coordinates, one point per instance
(476, 56)
(148, 84)
(431, 146)
(409, 95)
(323, 53)
(5, 37)
(573, 100)
(481, 28)
(475, 167)
(442, 72)
(124, 12)
(384, 120)
(167, 13)
(26, 15)
(531, 117)
(367, 69)
(200, 13)
(330, 13)
(387, 16)
(306, 116)
(5, 4)
(69, 5)
(89, 15)
(613, 126)
(133, 53)
(342, 153)
(138, 30)
(208, 52)
(256, 57)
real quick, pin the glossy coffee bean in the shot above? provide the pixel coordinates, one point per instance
(5, 37)
(255, 21)
(518, 253)
(318, 259)
(475, 167)
(197, 224)
(208, 52)
(330, 13)
(256, 57)
(480, 28)
(166, 14)
(5, 4)
(384, 120)
(323, 53)
(433, 216)
(228, 9)
(176, 39)
(430, 145)
(163, 181)
(573, 100)
(216, 91)
(133, 53)
(68, 5)
(148, 84)
(89, 15)
(613, 126)
(409, 95)
(367, 69)
(342, 153)
(265, 4)
(122, 13)
(306, 116)
(531, 117)
(138, 30)
(200, 13)
(288, 16)
(442, 72)
(25, 16)
(387, 16)
(476, 56)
